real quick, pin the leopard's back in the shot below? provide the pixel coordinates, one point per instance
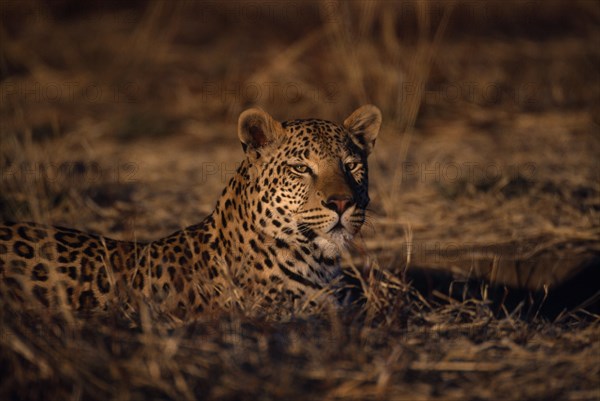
(52, 266)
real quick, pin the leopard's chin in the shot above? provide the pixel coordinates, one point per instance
(340, 236)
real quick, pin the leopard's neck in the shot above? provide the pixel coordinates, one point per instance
(242, 235)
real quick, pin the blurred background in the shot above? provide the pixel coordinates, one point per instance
(120, 118)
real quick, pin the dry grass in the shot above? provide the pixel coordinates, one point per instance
(121, 120)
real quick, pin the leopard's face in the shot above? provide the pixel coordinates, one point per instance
(323, 180)
(309, 177)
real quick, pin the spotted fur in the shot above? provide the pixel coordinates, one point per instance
(296, 200)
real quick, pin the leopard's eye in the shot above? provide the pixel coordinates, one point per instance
(352, 166)
(300, 168)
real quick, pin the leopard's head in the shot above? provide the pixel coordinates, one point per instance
(308, 177)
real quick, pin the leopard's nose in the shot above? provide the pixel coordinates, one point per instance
(339, 203)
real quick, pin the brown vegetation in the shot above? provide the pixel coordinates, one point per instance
(120, 119)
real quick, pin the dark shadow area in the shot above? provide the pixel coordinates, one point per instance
(579, 293)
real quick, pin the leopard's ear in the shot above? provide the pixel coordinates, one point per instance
(257, 130)
(364, 124)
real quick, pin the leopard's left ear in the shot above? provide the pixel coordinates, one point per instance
(364, 124)
(257, 130)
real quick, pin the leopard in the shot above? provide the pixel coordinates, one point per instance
(294, 205)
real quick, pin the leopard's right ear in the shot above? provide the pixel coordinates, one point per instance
(364, 124)
(257, 130)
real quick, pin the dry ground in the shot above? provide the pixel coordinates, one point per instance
(120, 119)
